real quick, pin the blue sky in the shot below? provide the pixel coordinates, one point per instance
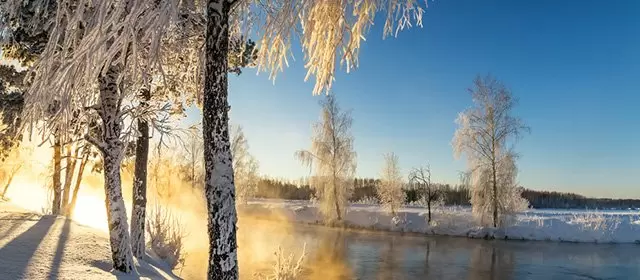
(574, 65)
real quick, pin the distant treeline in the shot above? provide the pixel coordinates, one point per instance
(558, 200)
(362, 188)
(451, 195)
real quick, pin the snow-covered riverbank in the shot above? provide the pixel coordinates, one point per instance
(561, 225)
(33, 246)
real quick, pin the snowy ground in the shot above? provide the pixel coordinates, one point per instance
(551, 225)
(33, 246)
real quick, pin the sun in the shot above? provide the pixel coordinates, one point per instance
(90, 211)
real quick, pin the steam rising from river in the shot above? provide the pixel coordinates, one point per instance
(258, 237)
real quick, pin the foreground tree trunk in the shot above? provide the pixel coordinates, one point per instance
(112, 150)
(138, 214)
(57, 170)
(219, 187)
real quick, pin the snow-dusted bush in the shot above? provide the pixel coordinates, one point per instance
(166, 235)
(368, 200)
(422, 202)
(284, 267)
(595, 221)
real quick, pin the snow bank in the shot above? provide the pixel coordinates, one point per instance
(564, 226)
(33, 246)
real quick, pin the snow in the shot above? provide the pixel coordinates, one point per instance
(33, 246)
(543, 225)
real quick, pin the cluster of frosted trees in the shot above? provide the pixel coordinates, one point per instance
(486, 134)
(106, 61)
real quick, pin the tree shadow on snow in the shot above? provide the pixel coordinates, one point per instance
(16, 255)
(18, 219)
(57, 258)
(146, 268)
(108, 267)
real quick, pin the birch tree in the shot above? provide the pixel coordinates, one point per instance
(245, 166)
(420, 178)
(485, 135)
(105, 45)
(390, 191)
(193, 156)
(332, 159)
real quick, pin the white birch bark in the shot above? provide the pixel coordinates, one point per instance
(112, 150)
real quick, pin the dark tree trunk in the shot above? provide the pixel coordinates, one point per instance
(429, 209)
(495, 196)
(57, 170)
(112, 150)
(138, 214)
(219, 187)
(335, 196)
(76, 189)
(66, 191)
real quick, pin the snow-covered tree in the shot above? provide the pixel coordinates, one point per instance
(332, 158)
(245, 166)
(486, 134)
(390, 191)
(420, 178)
(105, 45)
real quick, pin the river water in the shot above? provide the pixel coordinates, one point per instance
(340, 254)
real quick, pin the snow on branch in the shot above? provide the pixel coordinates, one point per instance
(329, 30)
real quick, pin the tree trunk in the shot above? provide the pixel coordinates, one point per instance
(138, 214)
(219, 187)
(11, 175)
(66, 191)
(112, 151)
(74, 197)
(57, 169)
(429, 209)
(335, 194)
(495, 196)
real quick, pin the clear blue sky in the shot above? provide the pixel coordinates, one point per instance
(574, 65)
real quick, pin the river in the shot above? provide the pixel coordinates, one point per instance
(341, 254)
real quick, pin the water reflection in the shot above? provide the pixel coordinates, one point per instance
(487, 262)
(335, 254)
(349, 255)
(329, 259)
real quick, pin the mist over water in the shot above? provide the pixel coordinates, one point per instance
(333, 253)
(345, 254)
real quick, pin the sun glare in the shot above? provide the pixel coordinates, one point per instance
(90, 211)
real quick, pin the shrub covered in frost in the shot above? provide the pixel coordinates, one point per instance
(284, 267)
(165, 236)
(368, 200)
